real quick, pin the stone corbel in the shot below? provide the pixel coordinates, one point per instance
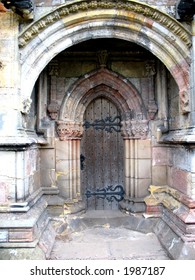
(102, 58)
(152, 109)
(26, 104)
(150, 69)
(184, 102)
(69, 130)
(53, 109)
(162, 129)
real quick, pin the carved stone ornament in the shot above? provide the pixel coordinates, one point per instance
(152, 109)
(53, 68)
(26, 104)
(23, 8)
(126, 129)
(69, 130)
(150, 69)
(53, 109)
(134, 129)
(139, 8)
(102, 58)
(184, 102)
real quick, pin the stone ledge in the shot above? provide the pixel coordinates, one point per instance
(184, 136)
(40, 249)
(22, 207)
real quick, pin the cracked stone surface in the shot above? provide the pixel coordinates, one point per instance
(97, 239)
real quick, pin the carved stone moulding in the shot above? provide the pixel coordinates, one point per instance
(133, 6)
(69, 130)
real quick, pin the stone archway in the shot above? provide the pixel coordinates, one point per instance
(133, 21)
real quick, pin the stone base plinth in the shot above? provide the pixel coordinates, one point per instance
(174, 245)
(27, 235)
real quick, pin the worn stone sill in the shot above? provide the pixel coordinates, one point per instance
(12, 142)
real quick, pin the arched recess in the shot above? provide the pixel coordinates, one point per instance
(134, 124)
(129, 20)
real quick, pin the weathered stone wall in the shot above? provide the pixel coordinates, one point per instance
(10, 99)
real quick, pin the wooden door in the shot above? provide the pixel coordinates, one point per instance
(102, 174)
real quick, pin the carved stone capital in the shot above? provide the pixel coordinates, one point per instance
(126, 129)
(134, 129)
(69, 130)
(139, 128)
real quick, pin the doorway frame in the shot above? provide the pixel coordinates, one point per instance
(135, 120)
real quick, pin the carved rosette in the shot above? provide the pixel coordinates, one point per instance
(132, 129)
(69, 130)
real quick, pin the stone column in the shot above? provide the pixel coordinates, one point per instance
(132, 131)
(70, 133)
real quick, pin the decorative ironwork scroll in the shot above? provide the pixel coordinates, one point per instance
(109, 193)
(108, 124)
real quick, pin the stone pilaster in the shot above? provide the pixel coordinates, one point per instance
(68, 161)
(11, 102)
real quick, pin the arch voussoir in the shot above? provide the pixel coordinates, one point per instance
(101, 82)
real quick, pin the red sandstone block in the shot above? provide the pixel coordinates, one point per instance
(179, 180)
(154, 210)
(160, 156)
(21, 235)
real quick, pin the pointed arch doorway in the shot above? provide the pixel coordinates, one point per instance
(102, 156)
(100, 125)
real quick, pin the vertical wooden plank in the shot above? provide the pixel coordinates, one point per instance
(106, 152)
(89, 151)
(99, 147)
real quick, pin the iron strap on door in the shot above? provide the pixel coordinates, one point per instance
(108, 124)
(110, 193)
